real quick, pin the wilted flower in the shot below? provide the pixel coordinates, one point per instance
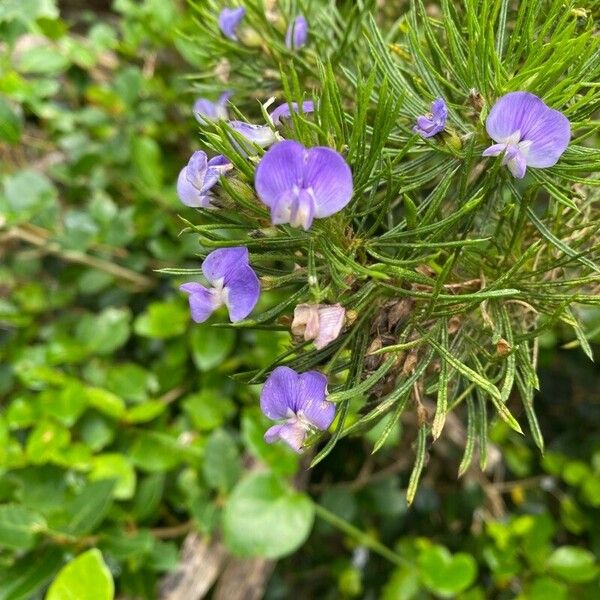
(529, 133)
(299, 401)
(300, 184)
(229, 19)
(198, 177)
(297, 33)
(261, 135)
(429, 125)
(234, 284)
(319, 322)
(283, 111)
(207, 110)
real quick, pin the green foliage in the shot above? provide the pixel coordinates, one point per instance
(123, 426)
(86, 577)
(265, 517)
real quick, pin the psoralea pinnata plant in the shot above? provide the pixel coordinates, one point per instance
(414, 272)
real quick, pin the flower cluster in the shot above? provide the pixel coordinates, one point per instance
(299, 184)
(526, 131)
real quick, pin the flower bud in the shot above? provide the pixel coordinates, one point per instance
(319, 322)
(250, 38)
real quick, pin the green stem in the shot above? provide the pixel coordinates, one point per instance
(360, 536)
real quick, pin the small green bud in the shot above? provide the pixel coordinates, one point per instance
(250, 38)
(452, 139)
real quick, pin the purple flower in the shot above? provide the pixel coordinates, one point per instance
(297, 33)
(319, 322)
(529, 133)
(283, 111)
(234, 284)
(198, 177)
(299, 401)
(429, 125)
(206, 110)
(299, 184)
(229, 19)
(261, 135)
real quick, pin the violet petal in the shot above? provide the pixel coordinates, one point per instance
(297, 33)
(278, 396)
(494, 150)
(222, 264)
(330, 178)
(549, 138)
(261, 135)
(243, 291)
(311, 403)
(201, 301)
(283, 111)
(514, 112)
(229, 19)
(207, 110)
(292, 434)
(280, 169)
(188, 193)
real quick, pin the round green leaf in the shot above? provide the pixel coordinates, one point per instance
(117, 467)
(85, 578)
(211, 346)
(573, 564)
(221, 465)
(265, 517)
(104, 332)
(444, 574)
(545, 588)
(163, 320)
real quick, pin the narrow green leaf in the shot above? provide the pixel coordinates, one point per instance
(442, 397)
(415, 475)
(482, 429)
(552, 239)
(480, 381)
(467, 458)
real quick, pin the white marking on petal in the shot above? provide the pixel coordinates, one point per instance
(513, 139)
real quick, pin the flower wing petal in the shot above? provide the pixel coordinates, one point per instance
(261, 135)
(189, 194)
(280, 169)
(192, 287)
(206, 110)
(201, 301)
(330, 178)
(549, 138)
(439, 110)
(243, 291)
(283, 110)
(196, 169)
(216, 168)
(292, 434)
(229, 19)
(278, 396)
(297, 33)
(494, 150)
(311, 403)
